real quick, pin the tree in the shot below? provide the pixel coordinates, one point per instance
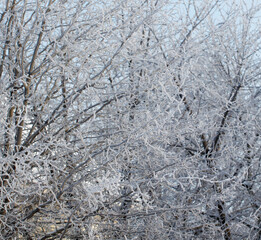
(130, 120)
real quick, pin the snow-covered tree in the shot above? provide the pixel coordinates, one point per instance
(130, 119)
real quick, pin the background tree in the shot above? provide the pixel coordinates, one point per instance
(130, 120)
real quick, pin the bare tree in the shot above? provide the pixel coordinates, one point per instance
(130, 120)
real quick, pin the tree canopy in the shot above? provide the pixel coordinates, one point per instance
(130, 119)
